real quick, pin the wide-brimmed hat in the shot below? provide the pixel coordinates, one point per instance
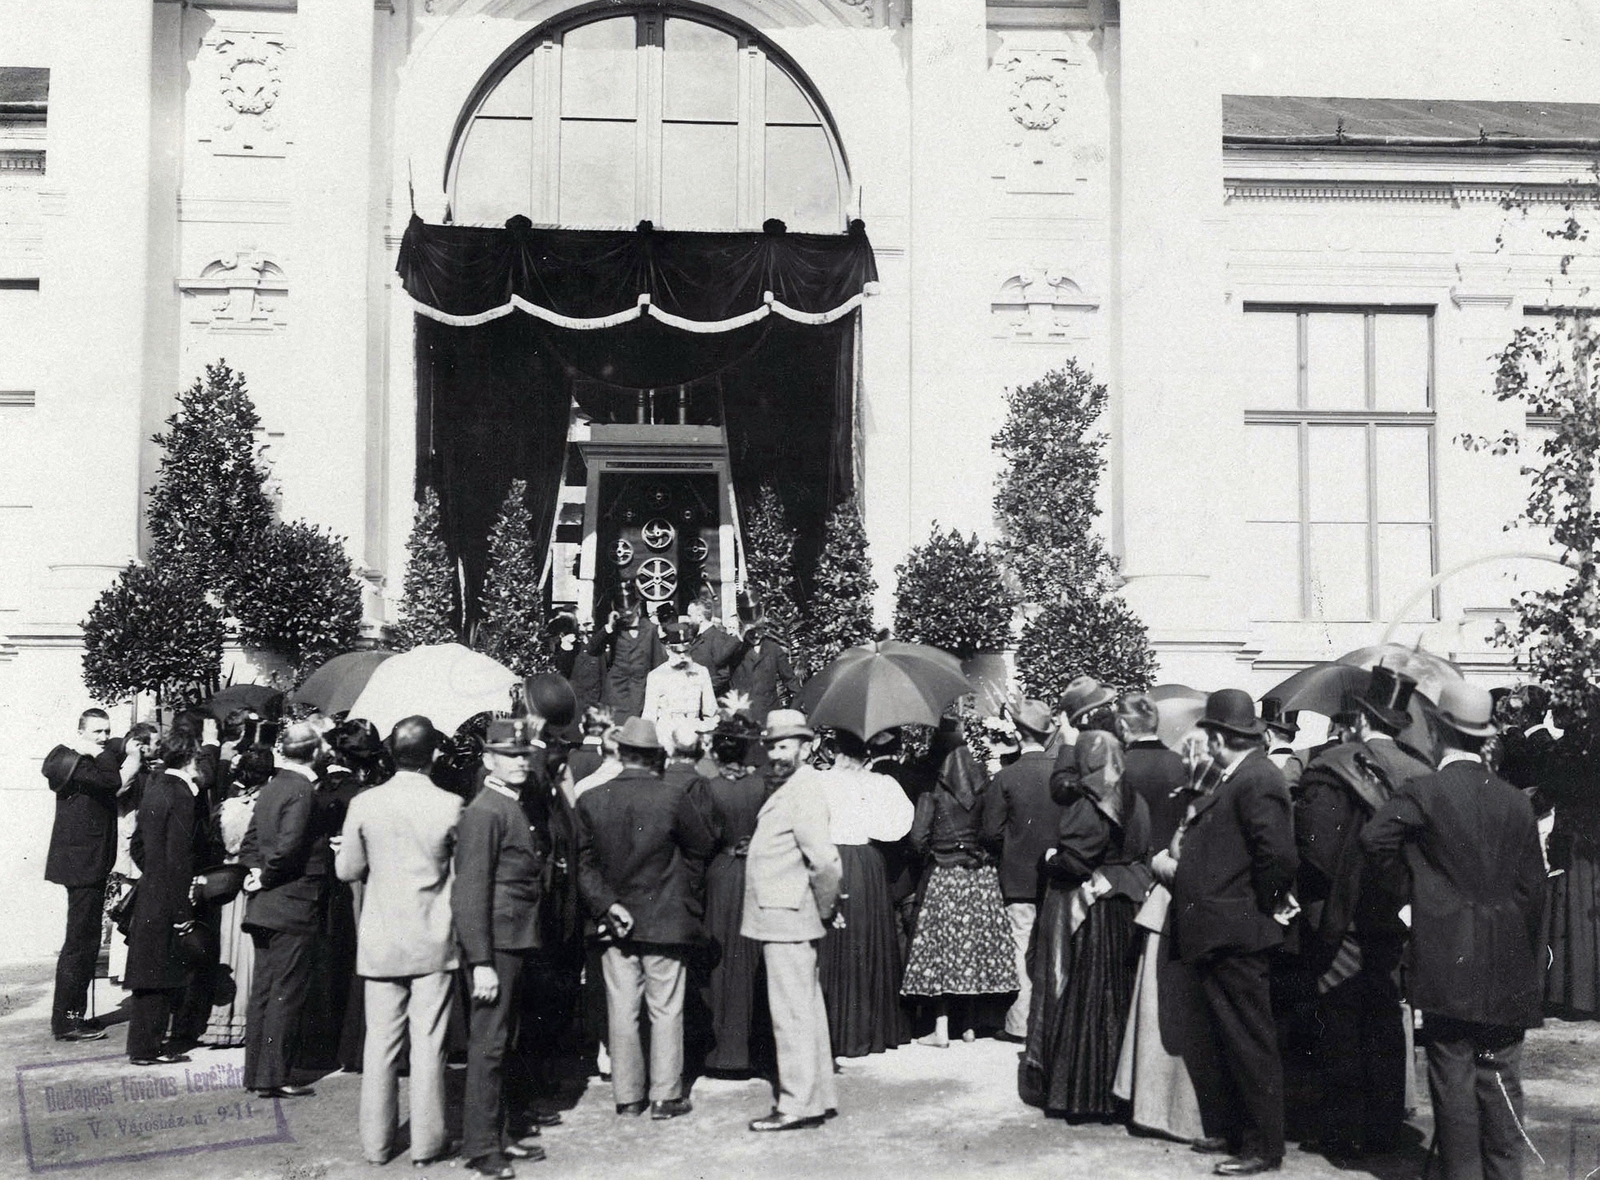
(638, 734)
(1466, 708)
(1033, 716)
(510, 735)
(1082, 694)
(786, 723)
(1285, 723)
(1388, 697)
(1232, 711)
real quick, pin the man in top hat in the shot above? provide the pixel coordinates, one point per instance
(499, 869)
(1282, 729)
(1353, 935)
(792, 878)
(1235, 867)
(289, 872)
(1471, 843)
(636, 838)
(628, 647)
(763, 672)
(680, 689)
(1020, 818)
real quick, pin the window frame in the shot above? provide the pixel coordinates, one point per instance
(543, 47)
(1304, 417)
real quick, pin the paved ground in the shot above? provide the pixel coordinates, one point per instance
(915, 1112)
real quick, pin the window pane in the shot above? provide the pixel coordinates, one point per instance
(1274, 471)
(599, 78)
(495, 175)
(802, 188)
(1405, 563)
(1270, 360)
(1400, 361)
(1339, 572)
(1337, 473)
(1275, 571)
(597, 173)
(514, 96)
(785, 103)
(1403, 453)
(701, 73)
(699, 175)
(1335, 361)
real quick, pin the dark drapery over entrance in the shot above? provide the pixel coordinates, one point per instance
(508, 317)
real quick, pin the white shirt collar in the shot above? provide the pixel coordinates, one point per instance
(304, 771)
(1459, 756)
(1227, 771)
(187, 775)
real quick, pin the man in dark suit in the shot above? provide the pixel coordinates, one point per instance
(86, 778)
(1156, 773)
(1020, 818)
(1471, 842)
(289, 871)
(762, 671)
(1353, 935)
(713, 647)
(500, 868)
(636, 836)
(629, 649)
(1235, 867)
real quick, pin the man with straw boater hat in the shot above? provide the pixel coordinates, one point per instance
(1471, 843)
(1234, 870)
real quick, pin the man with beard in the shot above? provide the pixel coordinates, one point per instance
(792, 877)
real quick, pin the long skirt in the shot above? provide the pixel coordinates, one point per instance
(235, 971)
(962, 945)
(731, 991)
(860, 965)
(1152, 1074)
(1070, 1061)
(1572, 916)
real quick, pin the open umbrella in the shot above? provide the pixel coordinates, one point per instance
(444, 682)
(1321, 688)
(1178, 707)
(334, 687)
(260, 698)
(868, 690)
(1431, 672)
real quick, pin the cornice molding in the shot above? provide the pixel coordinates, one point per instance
(1451, 193)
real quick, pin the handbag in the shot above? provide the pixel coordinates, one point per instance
(120, 894)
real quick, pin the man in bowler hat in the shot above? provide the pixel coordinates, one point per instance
(1471, 843)
(1236, 866)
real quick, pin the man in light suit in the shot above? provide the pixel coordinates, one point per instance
(398, 837)
(792, 878)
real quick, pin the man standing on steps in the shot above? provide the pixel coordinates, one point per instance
(792, 878)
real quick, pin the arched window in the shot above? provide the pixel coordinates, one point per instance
(648, 116)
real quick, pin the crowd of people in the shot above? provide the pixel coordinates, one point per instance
(654, 835)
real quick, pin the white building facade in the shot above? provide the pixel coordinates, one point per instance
(1292, 290)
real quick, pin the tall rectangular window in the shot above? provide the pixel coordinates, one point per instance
(1340, 432)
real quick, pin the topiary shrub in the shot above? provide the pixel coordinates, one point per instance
(1099, 636)
(769, 562)
(512, 630)
(152, 630)
(949, 594)
(839, 614)
(297, 595)
(427, 610)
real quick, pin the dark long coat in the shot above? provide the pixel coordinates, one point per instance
(285, 843)
(635, 837)
(627, 658)
(170, 830)
(83, 842)
(1020, 819)
(1477, 887)
(765, 676)
(1237, 862)
(717, 651)
(500, 868)
(1159, 777)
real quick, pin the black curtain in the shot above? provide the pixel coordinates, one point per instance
(493, 398)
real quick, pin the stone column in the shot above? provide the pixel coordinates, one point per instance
(93, 292)
(949, 377)
(324, 463)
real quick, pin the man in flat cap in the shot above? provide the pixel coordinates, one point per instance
(636, 837)
(1235, 867)
(1471, 843)
(499, 868)
(792, 878)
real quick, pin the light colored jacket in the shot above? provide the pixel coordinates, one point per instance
(792, 872)
(399, 837)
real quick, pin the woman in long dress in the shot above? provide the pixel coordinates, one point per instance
(1083, 978)
(962, 944)
(225, 1028)
(1572, 914)
(731, 990)
(859, 961)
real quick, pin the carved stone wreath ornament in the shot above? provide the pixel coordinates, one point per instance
(1038, 94)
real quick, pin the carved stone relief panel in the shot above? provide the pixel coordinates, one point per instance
(1041, 303)
(246, 69)
(242, 292)
(1051, 130)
